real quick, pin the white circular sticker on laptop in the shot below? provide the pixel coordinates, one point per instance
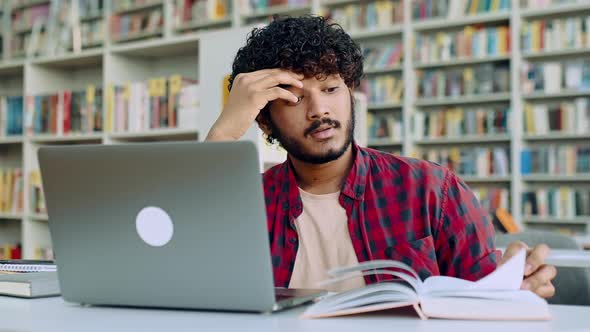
(154, 226)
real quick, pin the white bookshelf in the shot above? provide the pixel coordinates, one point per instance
(194, 50)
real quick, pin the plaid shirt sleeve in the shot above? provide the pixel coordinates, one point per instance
(465, 235)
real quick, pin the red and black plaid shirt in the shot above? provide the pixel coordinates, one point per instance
(398, 208)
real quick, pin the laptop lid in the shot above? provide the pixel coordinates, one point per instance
(159, 224)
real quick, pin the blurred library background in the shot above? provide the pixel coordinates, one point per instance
(496, 90)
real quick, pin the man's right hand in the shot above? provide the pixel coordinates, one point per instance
(249, 94)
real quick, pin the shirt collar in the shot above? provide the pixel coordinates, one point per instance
(353, 186)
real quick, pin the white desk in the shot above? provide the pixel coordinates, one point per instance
(53, 314)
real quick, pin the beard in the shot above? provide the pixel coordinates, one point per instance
(295, 148)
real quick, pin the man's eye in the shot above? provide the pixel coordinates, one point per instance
(299, 99)
(333, 89)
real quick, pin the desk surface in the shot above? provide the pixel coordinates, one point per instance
(53, 314)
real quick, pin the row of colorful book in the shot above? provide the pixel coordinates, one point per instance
(11, 190)
(65, 112)
(382, 126)
(492, 198)
(458, 122)
(479, 161)
(555, 159)
(471, 42)
(136, 24)
(374, 15)
(383, 89)
(472, 80)
(556, 34)
(568, 117)
(425, 9)
(186, 11)
(10, 251)
(557, 202)
(382, 57)
(153, 104)
(11, 116)
(555, 76)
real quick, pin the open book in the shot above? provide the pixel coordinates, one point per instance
(495, 297)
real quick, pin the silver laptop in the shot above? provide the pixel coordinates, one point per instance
(177, 225)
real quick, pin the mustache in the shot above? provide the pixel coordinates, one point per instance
(317, 123)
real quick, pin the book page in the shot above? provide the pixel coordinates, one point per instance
(508, 276)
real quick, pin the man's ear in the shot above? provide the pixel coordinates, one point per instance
(263, 123)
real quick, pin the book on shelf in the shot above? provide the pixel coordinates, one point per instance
(11, 116)
(367, 16)
(200, 11)
(567, 117)
(383, 57)
(479, 161)
(472, 80)
(468, 43)
(492, 198)
(555, 77)
(248, 7)
(383, 89)
(131, 4)
(495, 297)
(136, 24)
(37, 203)
(555, 159)
(425, 9)
(557, 202)
(153, 104)
(383, 126)
(10, 251)
(546, 35)
(29, 285)
(458, 122)
(11, 190)
(28, 27)
(92, 22)
(44, 253)
(66, 112)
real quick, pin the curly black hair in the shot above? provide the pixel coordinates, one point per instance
(308, 45)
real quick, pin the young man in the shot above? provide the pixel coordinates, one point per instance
(334, 203)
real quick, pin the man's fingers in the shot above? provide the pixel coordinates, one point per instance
(280, 93)
(545, 291)
(512, 249)
(536, 258)
(272, 80)
(541, 278)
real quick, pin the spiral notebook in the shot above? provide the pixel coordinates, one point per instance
(27, 266)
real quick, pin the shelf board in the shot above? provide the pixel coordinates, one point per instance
(556, 178)
(386, 70)
(72, 138)
(10, 216)
(555, 10)
(384, 106)
(382, 142)
(22, 30)
(488, 179)
(12, 67)
(272, 10)
(11, 140)
(30, 3)
(169, 133)
(445, 23)
(92, 17)
(462, 62)
(138, 36)
(39, 216)
(337, 2)
(556, 53)
(182, 45)
(563, 94)
(147, 5)
(374, 33)
(86, 58)
(555, 137)
(204, 25)
(473, 99)
(467, 139)
(557, 220)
